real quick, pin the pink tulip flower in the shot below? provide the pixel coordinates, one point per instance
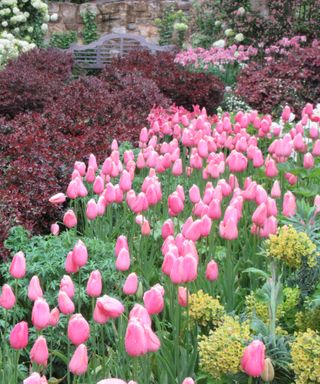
(253, 357)
(78, 329)
(7, 297)
(94, 285)
(39, 353)
(131, 284)
(78, 364)
(18, 266)
(34, 288)
(19, 336)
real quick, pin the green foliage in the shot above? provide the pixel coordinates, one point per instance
(46, 255)
(172, 27)
(89, 32)
(63, 40)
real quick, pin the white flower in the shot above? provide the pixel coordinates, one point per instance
(219, 44)
(44, 28)
(30, 29)
(217, 23)
(229, 32)
(239, 37)
(241, 11)
(4, 24)
(54, 17)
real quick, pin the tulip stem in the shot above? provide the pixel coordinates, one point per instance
(176, 309)
(79, 292)
(68, 370)
(250, 380)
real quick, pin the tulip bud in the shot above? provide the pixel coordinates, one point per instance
(268, 372)
(34, 289)
(40, 314)
(252, 361)
(18, 266)
(94, 285)
(70, 219)
(80, 254)
(55, 229)
(7, 298)
(131, 284)
(78, 329)
(212, 271)
(183, 296)
(79, 362)
(19, 335)
(65, 304)
(39, 352)
(67, 286)
(54, 317)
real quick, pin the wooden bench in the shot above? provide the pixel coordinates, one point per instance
(101, 52)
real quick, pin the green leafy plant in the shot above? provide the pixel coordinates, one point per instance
(89, 32)
(172, 27)
(63, 40)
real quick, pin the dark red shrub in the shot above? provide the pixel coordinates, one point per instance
(38, 151)
(32, 80)
(184, 88)
(293, 79)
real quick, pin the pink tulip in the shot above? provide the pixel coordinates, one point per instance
(276, 190)
(80, 254)
(182, 296)
(125, 181)
(308, 161)
(136, 343)
(145, 228)
(316, 148)
(98, 185)
(131, 284)
(286, 113)
(70, 219)
(271, 168)
(92, 209)
(94, 285)
(122, 242)
(39, 353)
(153, 342)
(167, 228)
(252, 361)
(112, 381)
(54, 317)
(188, 380)
(90, 175)
(19, 336)
(81, 167)
(72, 190)
(34, 289)
(153, 301)
(212, 271)
(206, 225)
(139, 313)
(70, 265)
(228, 230)
(259, 215)
(123, 260)
(107, 307)
(55, 229)
(289, 204)
(7, 298)
(40, 314)
(58, 198)
(177, 168)
(67, 286)
(35, 378)
(78, 364)
(65, 304)
(78, 329)
(18, 266)
(194, 194)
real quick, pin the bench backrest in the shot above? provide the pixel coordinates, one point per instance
(101, 52)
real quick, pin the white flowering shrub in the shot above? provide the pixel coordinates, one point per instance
(10, 47)
(25, 19)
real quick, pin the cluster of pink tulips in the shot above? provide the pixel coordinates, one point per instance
(197, 177)
(216, 56)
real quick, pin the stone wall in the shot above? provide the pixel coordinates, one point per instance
(118, 16)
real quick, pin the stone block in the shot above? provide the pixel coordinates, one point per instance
(119, 29)
(68, 12)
